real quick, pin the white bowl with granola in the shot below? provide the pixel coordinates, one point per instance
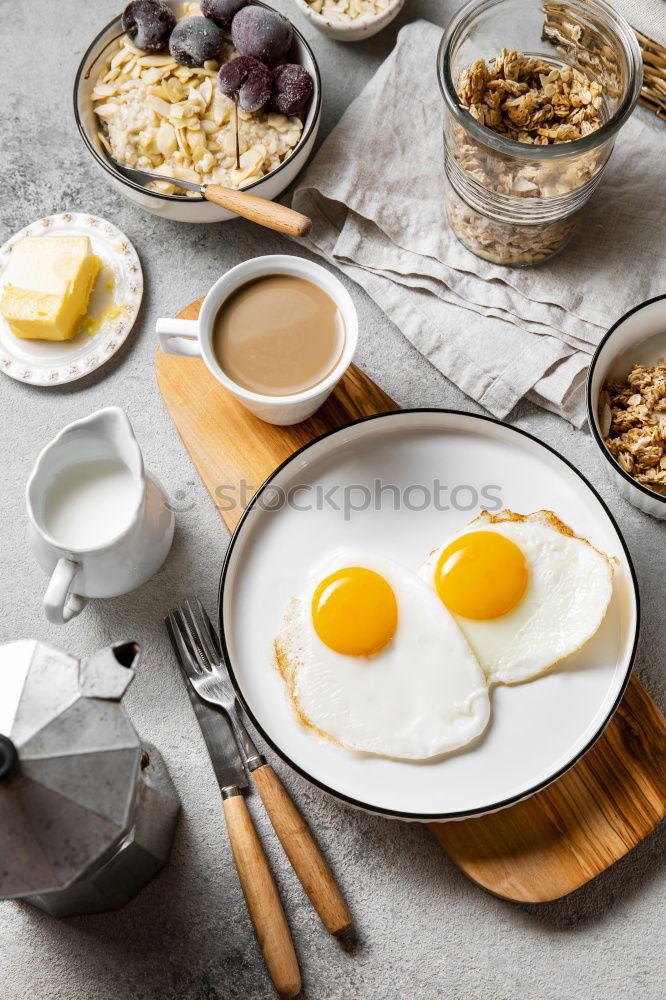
(151, 111)
(350, 20)
(626, 405)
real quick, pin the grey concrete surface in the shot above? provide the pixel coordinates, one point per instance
(424, 930)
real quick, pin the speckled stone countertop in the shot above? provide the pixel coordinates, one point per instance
(424, 931)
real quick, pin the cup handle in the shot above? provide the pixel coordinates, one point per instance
(61, 606)
(179, 336)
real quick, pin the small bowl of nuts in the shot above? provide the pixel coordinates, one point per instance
(626, 405)
(221, 92)
(350, 20)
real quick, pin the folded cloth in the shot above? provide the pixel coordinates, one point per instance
(647, 16)
(375, 192)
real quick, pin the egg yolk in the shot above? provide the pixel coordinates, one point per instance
(481, 575)
(354, 612)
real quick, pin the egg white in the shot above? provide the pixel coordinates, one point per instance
(421, 696)
(568, 592)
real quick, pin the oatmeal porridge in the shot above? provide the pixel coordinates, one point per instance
(171, 119)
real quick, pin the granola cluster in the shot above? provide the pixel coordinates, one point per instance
(526, 99)
(632, 417)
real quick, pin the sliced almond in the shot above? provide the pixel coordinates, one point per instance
(206, 90)
(185, 174)
(166, 139)
(250, 162)
(122, 56)
(158, 91)
(151, 75)
(106, 111)
(174, 89)
(277, 121)
(102, 90)
(168, 62)
(161, 107)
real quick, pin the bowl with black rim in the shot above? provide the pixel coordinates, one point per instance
(182, 208)
(638, 337)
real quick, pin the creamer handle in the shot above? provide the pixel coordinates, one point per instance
(61, 606)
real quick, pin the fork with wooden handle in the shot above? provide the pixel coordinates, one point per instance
(212, 683)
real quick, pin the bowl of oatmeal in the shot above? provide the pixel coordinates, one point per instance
(626, 405)
(350, 20)
(148, 110)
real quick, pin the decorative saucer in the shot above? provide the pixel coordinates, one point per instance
(112, 310)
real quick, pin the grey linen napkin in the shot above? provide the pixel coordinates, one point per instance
(375, 192)
(648, 16)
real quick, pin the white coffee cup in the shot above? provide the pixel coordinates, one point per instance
(193, 338)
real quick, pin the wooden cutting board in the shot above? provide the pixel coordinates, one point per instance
(539, 849)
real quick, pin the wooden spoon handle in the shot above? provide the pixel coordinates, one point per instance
(262, 898)
(302, 850)
(267, 213)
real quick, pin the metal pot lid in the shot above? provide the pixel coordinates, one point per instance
(69, 761)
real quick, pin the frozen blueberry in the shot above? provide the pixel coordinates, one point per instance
(149, 24)
(262, 33)
(222, 11)
(248, 78)
(194, 40)
(292, 88)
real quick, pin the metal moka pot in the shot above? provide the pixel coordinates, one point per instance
(87, 809)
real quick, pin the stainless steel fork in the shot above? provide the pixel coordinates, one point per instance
(208, 675)
(198, 648)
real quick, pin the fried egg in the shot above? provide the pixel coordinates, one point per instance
(524, 589)
(374, 661)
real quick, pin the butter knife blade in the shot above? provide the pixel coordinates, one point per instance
(218, 736)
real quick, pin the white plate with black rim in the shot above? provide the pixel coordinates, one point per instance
(113, 307)
(440, 468)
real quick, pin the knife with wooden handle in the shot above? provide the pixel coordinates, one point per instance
(256, 879)
(261, 896)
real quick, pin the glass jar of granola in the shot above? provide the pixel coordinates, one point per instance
(535, 93)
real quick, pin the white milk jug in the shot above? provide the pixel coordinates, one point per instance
(98, 523)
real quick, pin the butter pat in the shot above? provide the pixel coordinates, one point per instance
(48, 282)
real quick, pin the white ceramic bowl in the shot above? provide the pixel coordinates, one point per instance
(356, 30)
(638, 337)
(177, 207)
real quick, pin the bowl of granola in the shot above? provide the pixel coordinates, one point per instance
(350, 20)
(626, 405)
(232, 97)
(535, 94)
